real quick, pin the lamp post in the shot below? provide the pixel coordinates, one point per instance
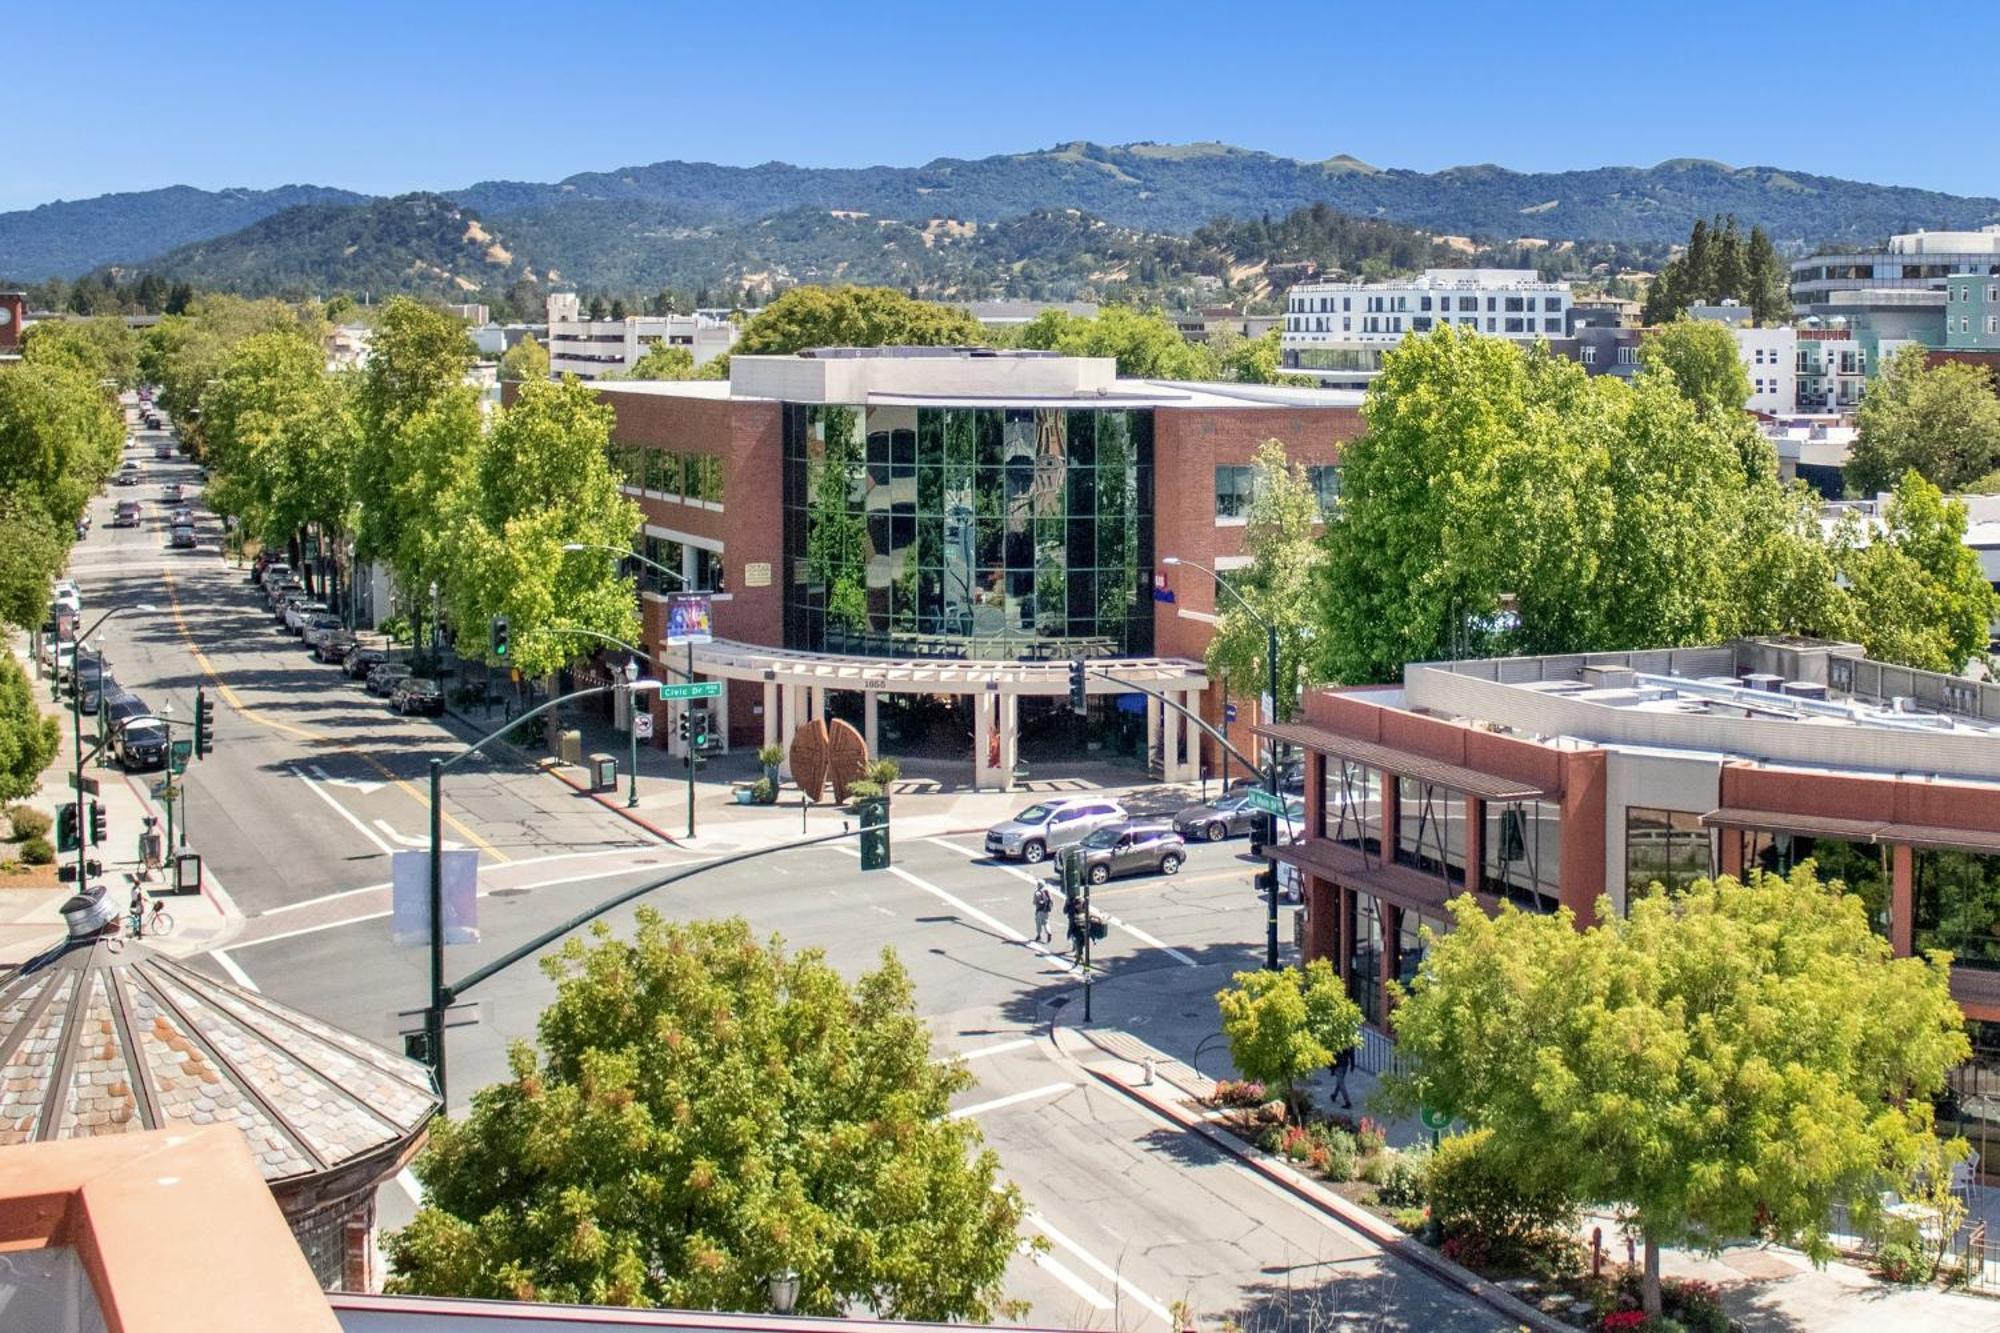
(76, 730)
(1271, 760)
(631, 675)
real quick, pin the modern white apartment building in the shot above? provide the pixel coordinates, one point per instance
(1913, 261)
(593, 348)
(1337, 331)
(1770, 358)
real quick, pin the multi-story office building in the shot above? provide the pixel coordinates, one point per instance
(593, 348)
(1570, 781)
(1972, 313)
(1770, 358)
(921, 539)
(1337, 331)
(1916, 261)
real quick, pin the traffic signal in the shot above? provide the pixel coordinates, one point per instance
(682, 726)
(700, 726)
(1077, 702)
(66, 828)
(96, 824)
(497, 637)
(875, 834)
(204, 724)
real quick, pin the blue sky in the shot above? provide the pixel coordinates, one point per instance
(426, 94)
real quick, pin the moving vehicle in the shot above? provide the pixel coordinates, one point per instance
(334, 645)
(1228, 816)
(172, 494)
(1046, 825)
(164, 453)
(414, 694)
(126, 515)
(1132, 847)
(358, 663)
(182, 538)
(140, 744)
(128, 474)
(385, 678)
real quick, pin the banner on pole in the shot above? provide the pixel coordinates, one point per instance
(410, 897)
(688, 619)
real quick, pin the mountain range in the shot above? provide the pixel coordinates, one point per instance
(1073, 209)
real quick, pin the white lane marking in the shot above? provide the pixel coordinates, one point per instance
(877, 907)
(993, 923)
(975, 853)
(1145, 938)
(1090, 1295)
(447, 844)
(343, 811)
(309, 930)
(359, 784)
(230, 965)
(998, 1048)
(1102, 1269)
(283, 908)
(1011, 1099)
(632, 869)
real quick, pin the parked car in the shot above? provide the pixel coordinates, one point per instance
(298, 612)
(414, 694)
(121, 706)
(67, 591)
(1291, 779)
(1046, 825)
(334, 646)
(1132, 847)
(316, 627)
(140, 744)
(358, 663)
(126, 515)
(275, 572)
(280, 591)
(385, 678)
(87, 678)
(182, 538)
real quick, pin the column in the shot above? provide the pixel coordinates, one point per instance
(1732, 853)
(870, 724)
(1343, 935)
(1009, 707)
(1902, 899)
(1392, 952)
(1170, 742)
(982, 737)
(815, 702)
(1152, 727)
(1475, 844)
(771, 713)
(1321, 935)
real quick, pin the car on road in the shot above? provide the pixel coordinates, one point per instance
(291, 598)
(182, 517)
(140, 744)
(1132, 847)
(172, 494)
(126, 515)
(182, 538)
(270, 572)
(1046, 825)
(334, 646)
(385, 678)
(279, 593)
(358, 663)
(414, 694)
(164, 453)
(67, 591)
(87, 680)
(128, 474)
(315, 629)
(298, 612)
(1228, 816)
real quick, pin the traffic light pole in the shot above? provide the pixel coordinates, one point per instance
(690, 743)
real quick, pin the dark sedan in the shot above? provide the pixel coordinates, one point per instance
(361, 661)
(1227, 816)
(417, 695)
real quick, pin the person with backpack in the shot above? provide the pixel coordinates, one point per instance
(1045, 903)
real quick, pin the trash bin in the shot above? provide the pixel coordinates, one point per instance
(187, 872)
(604, 772)
(569, 746)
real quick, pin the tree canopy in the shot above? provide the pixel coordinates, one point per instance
(1287, 1025)
(1942, 421)
(525, 360)
(1728, 1061)
(28, 739)
(854, 317)
(1701, 356)
(1145, 343)
(1919, 595)
(661, 361)
(706, 1111)
(1281, 540)
(1720, 265)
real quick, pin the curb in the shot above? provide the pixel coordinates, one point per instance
(1392, 1240)
(553, 768)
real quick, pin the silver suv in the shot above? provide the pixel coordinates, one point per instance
(1132, 847)
(1046, 825)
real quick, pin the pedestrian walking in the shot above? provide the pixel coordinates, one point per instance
(1342, 1063)
(1079, 927)
(1045, 903)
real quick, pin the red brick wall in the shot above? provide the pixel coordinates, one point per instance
(1188, 445)
(1851, 796)
(16, 307)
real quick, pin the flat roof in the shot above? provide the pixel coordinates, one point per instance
(1119, 393)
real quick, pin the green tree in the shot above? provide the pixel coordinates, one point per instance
(1770, 291)
(60, 437)
(662, 362)
(1286, 1025)
(525, 360)
(1282, 541)
(1943, 421)
(854, 317)
(102, 349)
(1787, 578)
(708, 1111)
(33, 550)
(1701, 356)
(1145, 343)
(28, 740)
(540, 479)
(1724, 1062)
(1256, 360)
(1919, 595)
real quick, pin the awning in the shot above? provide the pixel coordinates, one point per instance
(1405, 886)
(1404, 763)
(1952, 839)
(1934, 836)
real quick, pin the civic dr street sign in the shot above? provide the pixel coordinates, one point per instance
(700, 689)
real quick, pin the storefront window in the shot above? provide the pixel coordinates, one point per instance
(1958, 906)
(1365, 973)
(1862, 867)
(1430, 828)
(1353, 805)
(1523, 852)
(1971, 1104)
(1410, 944)
(1664, 847)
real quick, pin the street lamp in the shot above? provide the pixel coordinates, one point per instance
(784, 1291)
(1271, 777)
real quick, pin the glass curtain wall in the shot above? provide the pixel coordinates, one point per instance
(1665, 847)
(1353, 805)
(968, 532)
(1958, 906)
(1523, 852)
(1430, 828)
(1862, 867)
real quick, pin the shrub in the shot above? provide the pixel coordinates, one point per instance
(28, 822)
(1900, 1261)
(763, 791)
(1402, 1183)
(884, 772)
(1375, 1168)
(1472, 1196)
(1238, 1092)
(1695, 1304)
(1336, 1157)
(1370, 1136)
(37, 852)
(1623, 1320)
(864, 790)
(770, 756)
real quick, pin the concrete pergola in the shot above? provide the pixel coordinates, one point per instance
(795, 686)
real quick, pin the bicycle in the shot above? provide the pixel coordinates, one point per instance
(156, 922)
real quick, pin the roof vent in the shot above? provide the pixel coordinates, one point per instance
(89, 912)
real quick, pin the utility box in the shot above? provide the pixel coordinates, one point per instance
(569, 746)
(187, 872)
(604, 772)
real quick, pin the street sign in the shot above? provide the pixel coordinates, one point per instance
(642, 726)
(178, 753)
(1434, 1120)
(1228, 713)
(88, 785)
(1259, 799)
(700, 689)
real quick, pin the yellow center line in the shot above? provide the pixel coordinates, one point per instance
(230, 697)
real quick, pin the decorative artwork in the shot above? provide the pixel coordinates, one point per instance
(810, 753)
(846, 757)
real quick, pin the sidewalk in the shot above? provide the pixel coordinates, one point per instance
(30, 919)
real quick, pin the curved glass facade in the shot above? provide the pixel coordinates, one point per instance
(980, 532)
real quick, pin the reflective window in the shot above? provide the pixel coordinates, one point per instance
(1430, 828)
(1523, 852)
(1665, 847)
(1235, 488)
(1324, 478)
(1365, 975)
(1958, 906)
(1353, 804)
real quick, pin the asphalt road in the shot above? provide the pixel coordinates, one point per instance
(314, 784)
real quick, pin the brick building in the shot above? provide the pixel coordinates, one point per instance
(921, 539)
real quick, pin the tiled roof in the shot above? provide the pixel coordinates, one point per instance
(111, 1037)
